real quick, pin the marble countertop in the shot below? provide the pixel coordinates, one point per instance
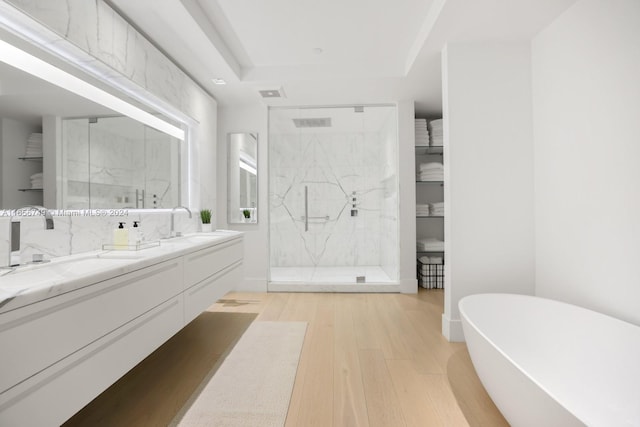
(36, 282)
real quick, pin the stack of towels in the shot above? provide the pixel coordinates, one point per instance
(436, 209)
(432, 171)
(36, 181)
(423, 209)
(430, 209)
(429, 244)
(422, 134)
(34, 145)
(436, 133)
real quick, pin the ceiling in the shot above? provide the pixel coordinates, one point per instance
(329, 52)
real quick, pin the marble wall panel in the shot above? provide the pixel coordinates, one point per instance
(335, 167)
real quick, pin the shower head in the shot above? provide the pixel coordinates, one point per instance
(321, 122)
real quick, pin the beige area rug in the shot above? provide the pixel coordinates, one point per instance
(253, 385)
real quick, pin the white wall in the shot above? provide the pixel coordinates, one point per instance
(52, 161)
(586, 87)
(407, 192)
(256, 244)
(389, 238)
(488, 159)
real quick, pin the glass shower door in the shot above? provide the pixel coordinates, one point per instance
(328, 180)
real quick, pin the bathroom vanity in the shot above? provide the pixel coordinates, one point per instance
(72, 327)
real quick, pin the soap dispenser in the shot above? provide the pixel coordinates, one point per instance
(121, 237)
(135, 235)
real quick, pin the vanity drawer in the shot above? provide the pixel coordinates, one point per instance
(39, 335)
(207, 262)
(202, 295)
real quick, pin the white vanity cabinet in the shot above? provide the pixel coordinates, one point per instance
(201, 286)
(41, 334)
(59, 353)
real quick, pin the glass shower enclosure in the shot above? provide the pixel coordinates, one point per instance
(333, 198)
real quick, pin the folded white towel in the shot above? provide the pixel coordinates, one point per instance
(430, 176)
(431, 166)
(430, 244)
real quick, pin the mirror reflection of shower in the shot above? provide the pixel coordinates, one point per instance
(117, 162)
(333, 195)
(242, 178)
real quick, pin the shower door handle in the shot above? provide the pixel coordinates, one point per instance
(306, 208)
(139, 198)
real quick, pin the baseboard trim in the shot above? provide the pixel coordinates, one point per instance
(252, 285)
(409, 286)
(452, 329)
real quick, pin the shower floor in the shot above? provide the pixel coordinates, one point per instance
(373, 274)
(331, 279)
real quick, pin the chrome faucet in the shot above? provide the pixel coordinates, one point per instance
(173, 233)
(14, 241)
(48, 219)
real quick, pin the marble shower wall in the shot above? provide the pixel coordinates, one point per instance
(335, 167)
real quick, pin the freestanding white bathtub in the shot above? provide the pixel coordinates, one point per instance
(547, 363)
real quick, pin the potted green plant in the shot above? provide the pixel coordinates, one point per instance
(205, 216)
(247, 214)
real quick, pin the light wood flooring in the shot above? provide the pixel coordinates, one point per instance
(367, 360)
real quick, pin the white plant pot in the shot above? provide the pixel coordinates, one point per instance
(207, 228)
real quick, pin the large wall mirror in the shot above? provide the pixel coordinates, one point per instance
(61, 150)
(112, 162)
(242, 178)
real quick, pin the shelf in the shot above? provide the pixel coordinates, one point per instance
(31, 158)
(135, 247)
(130, 186)
(30, 189)
(429, 252)
(429, 216)
(429, 182)
(424, 150)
